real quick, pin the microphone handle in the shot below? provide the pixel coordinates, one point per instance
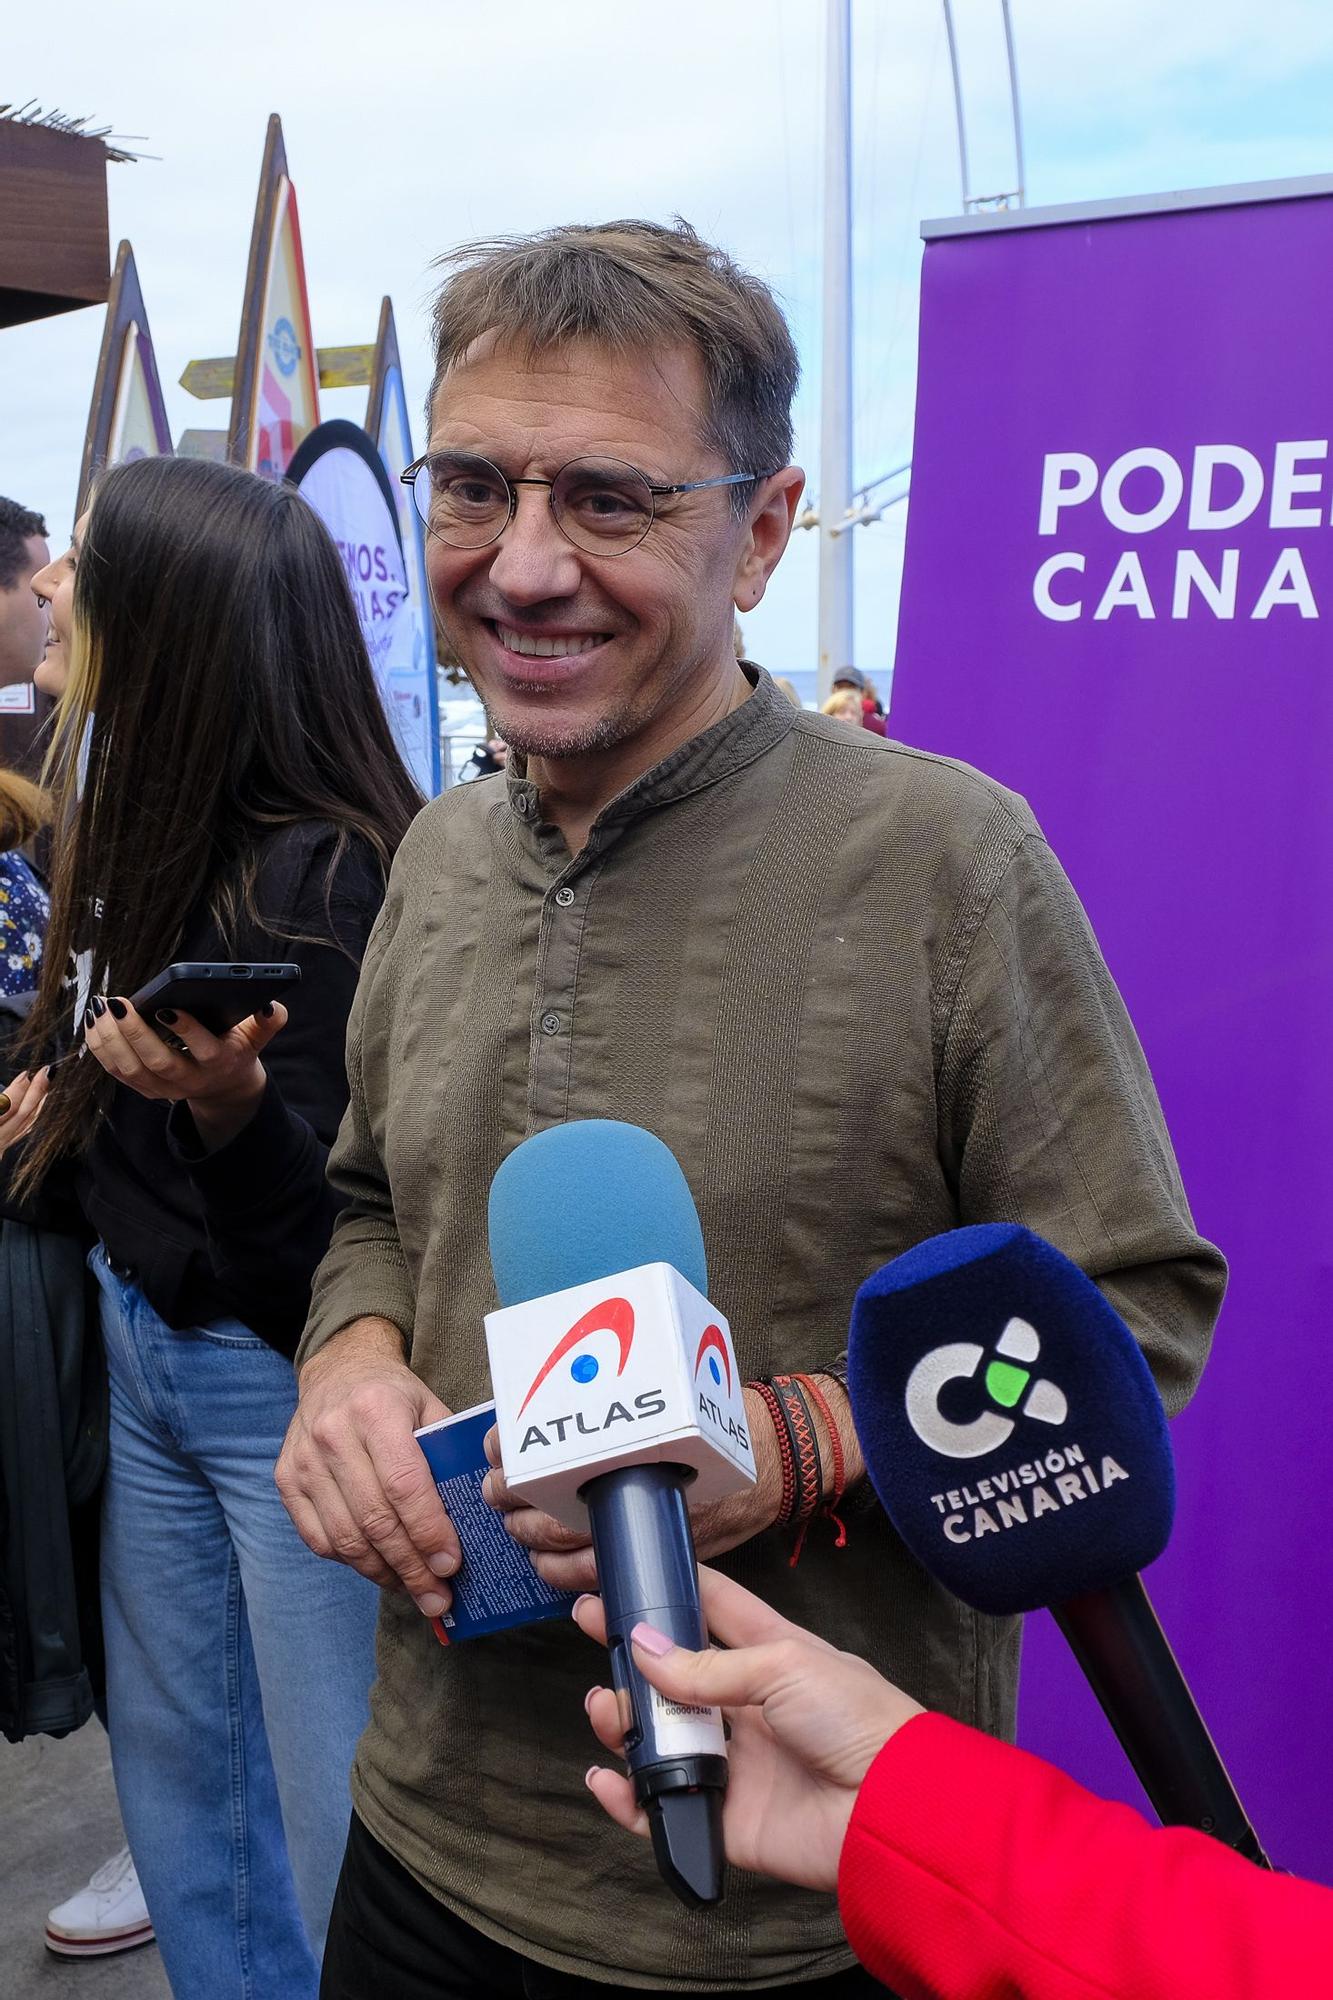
(1127, 1660)
(647, 1573)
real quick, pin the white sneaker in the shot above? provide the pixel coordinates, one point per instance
(109, 1915)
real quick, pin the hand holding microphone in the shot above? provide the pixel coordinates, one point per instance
(964, 1867)
(563, 1556)
(806, 1720)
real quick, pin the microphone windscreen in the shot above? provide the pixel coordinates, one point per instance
(1009, 1422)
(576, 1202)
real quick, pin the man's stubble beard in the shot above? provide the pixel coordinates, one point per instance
(533, 739)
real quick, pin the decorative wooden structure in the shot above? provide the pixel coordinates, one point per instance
(55, 251)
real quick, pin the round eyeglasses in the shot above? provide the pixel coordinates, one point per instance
(601, 505)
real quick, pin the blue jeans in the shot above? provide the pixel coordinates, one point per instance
(238, 1664)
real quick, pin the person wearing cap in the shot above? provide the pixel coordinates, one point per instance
(852, 679)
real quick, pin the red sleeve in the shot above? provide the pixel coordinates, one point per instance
(973, 1871)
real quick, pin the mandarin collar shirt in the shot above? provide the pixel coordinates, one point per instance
(850, 987)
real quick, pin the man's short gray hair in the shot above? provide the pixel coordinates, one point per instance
(627, 286)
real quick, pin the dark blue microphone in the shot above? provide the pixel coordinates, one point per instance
(1015, 1436)
(574, 1205)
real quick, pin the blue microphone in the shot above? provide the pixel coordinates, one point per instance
(574, 1205)
(1015, 1436)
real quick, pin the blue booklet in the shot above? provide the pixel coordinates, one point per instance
(497, 1587)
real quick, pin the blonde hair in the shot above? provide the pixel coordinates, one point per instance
(71, 717)
(781, 681)
(845, 703)
(24, 810)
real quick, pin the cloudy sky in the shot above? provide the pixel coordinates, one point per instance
(417, 123)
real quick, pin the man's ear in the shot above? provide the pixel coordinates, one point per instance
(767, 535)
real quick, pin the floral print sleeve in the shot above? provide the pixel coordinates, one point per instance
(25, 910)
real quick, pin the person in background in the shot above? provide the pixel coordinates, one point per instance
(844, 705)
(872, 708)
(788, 688)
(109, 1914)
(23, 551)
(964, 1868)
(488, 758)
(868, 711)
(226, 788)
(25, 906)
(24, 809)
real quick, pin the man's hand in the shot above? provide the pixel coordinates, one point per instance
(564, 1559)
(353, 1477)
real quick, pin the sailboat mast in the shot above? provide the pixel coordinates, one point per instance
(835, 439)
(958, 102)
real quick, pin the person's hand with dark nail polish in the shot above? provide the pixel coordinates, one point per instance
(220, 1077)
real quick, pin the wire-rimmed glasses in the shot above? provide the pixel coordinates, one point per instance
(601, 505)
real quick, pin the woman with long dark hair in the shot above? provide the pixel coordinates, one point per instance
(226, 787)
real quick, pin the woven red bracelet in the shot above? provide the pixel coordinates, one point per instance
(820, 1401)
(786, 1454)
(809, 1472)
(830, 1506)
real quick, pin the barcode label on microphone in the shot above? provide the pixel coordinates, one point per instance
(684, 1730)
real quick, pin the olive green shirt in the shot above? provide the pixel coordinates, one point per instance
(849, 986)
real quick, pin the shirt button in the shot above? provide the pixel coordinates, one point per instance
(522, 804)
(550, 1024)
(564, 897)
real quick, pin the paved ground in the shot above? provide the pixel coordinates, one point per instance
(58, 1822)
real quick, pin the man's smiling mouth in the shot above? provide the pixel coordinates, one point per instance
(530, 646)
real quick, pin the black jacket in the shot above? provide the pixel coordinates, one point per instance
(238, 1233)
(53, 1435)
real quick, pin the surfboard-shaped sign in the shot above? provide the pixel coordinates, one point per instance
(275, 403)
(127, 418)
(411, 693)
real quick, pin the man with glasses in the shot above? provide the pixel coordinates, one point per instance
(845, 982)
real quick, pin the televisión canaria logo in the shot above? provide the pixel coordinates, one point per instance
(1020, 1494)
(1007, 1380)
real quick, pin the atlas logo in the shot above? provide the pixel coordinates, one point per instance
(607, 1316)
(1008, 1382)
(715, 1347)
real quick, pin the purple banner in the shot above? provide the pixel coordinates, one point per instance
(1118, 600)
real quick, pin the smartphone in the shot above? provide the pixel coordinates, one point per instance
(217, 993)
